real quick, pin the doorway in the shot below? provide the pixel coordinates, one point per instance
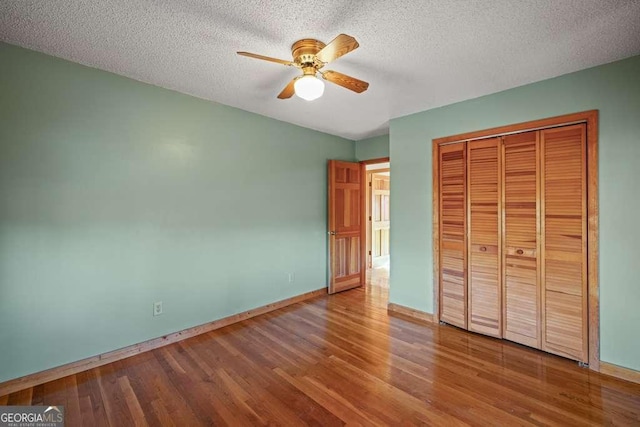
(377, 219)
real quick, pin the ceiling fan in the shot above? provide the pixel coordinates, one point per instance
(310, 56)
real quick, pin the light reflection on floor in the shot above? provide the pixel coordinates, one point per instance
(377, 288)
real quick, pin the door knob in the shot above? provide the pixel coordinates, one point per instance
(483, 249)
(519, 251)
(332, 233)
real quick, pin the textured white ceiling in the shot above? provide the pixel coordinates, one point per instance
(417, 54)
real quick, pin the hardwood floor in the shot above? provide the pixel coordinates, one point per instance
(339, 360)
(379, 276)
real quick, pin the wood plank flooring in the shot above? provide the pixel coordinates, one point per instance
(339, 360)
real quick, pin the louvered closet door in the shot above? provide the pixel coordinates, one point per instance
(520, 244)
(485, 296)
(453, 286)
(564, 270)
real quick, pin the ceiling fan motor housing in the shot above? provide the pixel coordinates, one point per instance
(304, 53)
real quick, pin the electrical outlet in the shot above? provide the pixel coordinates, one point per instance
(157, 308)
(292, 277)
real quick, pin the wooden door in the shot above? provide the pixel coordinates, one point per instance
(484, 246)
(547, 223)
(346, 225)
(380, 220)
(521, 175)
(453, 242)
(564, 242)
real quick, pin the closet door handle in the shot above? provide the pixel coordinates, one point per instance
(483, 249)
(519, 251)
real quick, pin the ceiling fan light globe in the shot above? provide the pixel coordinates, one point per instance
(309, 87)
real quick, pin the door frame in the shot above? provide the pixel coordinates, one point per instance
(369, 202)
(591, 119)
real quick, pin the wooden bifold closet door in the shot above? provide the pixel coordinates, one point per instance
(513, 238)
(520, 176)
(453, 241)
(564, 241)
(485, 295)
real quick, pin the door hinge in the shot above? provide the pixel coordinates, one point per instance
(369, 217)
(369, 252)
(369, 183)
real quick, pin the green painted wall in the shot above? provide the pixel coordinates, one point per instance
(372, 148)
(115, 194)
(614, 89)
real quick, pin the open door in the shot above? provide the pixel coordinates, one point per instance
(380, 225)
(346, 225)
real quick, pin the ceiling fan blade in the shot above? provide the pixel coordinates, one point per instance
(345, 81)
(266, 58)
(288, 91)
(337, 47)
